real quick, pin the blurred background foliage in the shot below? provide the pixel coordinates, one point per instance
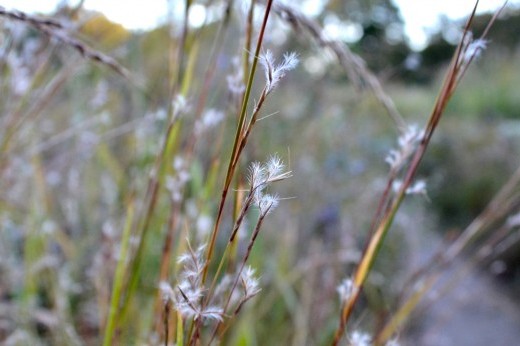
(96, 134)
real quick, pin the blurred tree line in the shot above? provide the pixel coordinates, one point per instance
(383, 44)
(379, 37)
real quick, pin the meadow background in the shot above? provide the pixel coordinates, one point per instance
(109, 137)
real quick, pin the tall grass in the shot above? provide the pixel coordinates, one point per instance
(138, 210)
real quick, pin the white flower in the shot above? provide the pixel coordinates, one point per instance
(392, 342)
(412, 134)
(407, 143)
(167, 293)
(418, 188)
(360, 339)
(475, 48)
(346, 289)
(204, 223)
(210, 118)
(274, 73)
(180, 106)
(472, 48)
(235, 81)
(176, 182)
(178, 163)
(514, 220)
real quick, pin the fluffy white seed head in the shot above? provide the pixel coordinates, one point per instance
(274, 73)
(267, 203)
(249, 282)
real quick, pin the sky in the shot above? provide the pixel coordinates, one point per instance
(420, 16)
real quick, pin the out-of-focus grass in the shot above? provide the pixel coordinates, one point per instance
(85, 155)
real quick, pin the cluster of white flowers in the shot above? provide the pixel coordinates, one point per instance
(100, 97)
(175, 183)
(418, 188)
(346, 289)
(210, 118)
(407, 143)
(20, 74)
(472, 48)
(180, 106)
(358, 338)
(235, 81)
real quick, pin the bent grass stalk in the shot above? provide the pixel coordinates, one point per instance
(501, 205)
(457, 68)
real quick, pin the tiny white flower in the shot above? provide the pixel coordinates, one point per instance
(180, 105)
(393, 158)
(166, 290)
(418, 188)
(407, 143)
(160, 114)
(360, 339)
(392, 342)
(346, 289)
(184, 177)
(514, 220)
(412, 134)
(204, 223)
(475, 48)
(235, 81)
(472, 48)
(178, 162)
(210, 118)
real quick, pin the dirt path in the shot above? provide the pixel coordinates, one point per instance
(475, 312)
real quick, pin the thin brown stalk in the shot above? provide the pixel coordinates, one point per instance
(458, 65)
(32, 20)
(166, 254)
(189, 154)
(237, 143)
(235, 283)
(57, 30)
